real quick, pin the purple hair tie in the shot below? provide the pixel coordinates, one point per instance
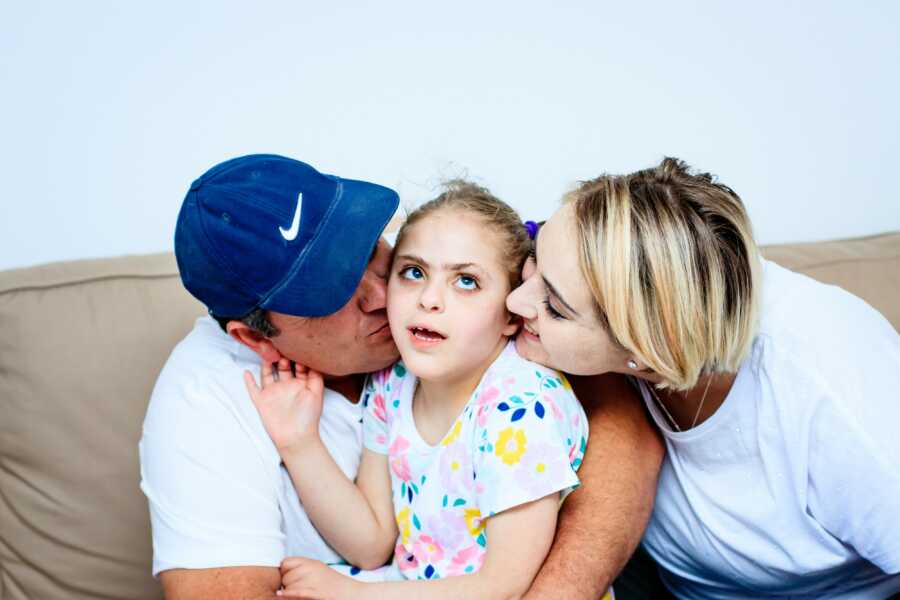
(532, 228)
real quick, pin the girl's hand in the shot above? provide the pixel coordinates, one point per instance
(307, 578)
(289, 402)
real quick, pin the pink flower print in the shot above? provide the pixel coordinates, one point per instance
(488, 395)
(576, 421)
(397, 458)
(456, 469)
(427, 550)
(557, 414)
(539, 468)
(448, 527)
(380, 412)
(468, 560)
(484, 411)
(405, 560)
(485, 403)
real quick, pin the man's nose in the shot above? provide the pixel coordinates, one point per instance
(373, 292)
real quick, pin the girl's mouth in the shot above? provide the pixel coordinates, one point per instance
(424, 337)
(528, 330)
(424, 333)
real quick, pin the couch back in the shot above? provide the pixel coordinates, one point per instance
(81, 345)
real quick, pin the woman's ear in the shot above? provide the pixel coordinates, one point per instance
(254, 340)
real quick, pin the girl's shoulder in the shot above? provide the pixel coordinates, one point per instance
(385, 387)
(385, 379)
(511, 372)
(517, 386)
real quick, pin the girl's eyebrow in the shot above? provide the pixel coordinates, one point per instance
(445, 266)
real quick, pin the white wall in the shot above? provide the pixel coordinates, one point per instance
(110, 109)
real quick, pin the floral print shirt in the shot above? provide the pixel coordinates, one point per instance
(520, 437)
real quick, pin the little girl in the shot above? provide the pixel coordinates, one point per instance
(469, 448)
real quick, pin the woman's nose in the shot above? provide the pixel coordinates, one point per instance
(521, 301)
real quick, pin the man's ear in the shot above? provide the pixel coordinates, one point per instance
(512, 325)
(254, 340)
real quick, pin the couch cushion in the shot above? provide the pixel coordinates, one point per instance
(868, 267)
(81, 346)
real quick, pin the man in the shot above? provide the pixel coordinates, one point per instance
(290, 264)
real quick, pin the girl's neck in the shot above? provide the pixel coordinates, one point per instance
(446, 398)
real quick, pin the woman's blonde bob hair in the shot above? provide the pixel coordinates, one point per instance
(671, 264)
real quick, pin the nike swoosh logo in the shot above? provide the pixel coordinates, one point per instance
(290, 234)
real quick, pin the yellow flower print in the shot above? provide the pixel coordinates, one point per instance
(453, 435)
(473, 521)
(510, 445)
(403, 525)
(565, 382)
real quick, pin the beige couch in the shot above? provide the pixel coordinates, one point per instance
(80, 346)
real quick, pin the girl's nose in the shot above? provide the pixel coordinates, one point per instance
(431, 299)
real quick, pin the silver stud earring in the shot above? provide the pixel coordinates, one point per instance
(632, 364)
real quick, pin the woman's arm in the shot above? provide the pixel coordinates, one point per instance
(601, 523)
(519, 539)
(356, 519)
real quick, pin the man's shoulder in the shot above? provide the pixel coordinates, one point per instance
(206, 354)
(203, 376)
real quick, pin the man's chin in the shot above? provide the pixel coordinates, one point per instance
(383, 359)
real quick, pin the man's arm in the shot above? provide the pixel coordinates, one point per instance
(602, 522)
(246, 583)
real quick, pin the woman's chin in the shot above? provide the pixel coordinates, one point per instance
(531, 349)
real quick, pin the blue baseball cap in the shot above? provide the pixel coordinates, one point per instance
(266, 231)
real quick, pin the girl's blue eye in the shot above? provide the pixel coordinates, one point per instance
(466, 283)
(414, 273)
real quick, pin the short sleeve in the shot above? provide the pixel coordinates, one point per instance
(212, 501)
(531, 443)
(375, 426)
(854, 481)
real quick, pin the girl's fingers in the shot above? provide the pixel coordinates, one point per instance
(252, 388)
(291, 562)
(300, 369)
(267, 374)
(291, 577)
(315, 383)
(284, 369)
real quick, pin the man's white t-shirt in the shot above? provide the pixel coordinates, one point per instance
(218, 493)
(792, 488)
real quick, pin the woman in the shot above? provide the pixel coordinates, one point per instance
(777, 396)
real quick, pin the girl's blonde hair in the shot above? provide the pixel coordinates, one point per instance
(671, 264)
(468, 197)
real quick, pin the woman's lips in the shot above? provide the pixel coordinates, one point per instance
(530, 334)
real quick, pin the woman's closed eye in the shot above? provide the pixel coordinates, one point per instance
(552, 312)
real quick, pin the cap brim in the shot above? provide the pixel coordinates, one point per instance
(330, 268)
